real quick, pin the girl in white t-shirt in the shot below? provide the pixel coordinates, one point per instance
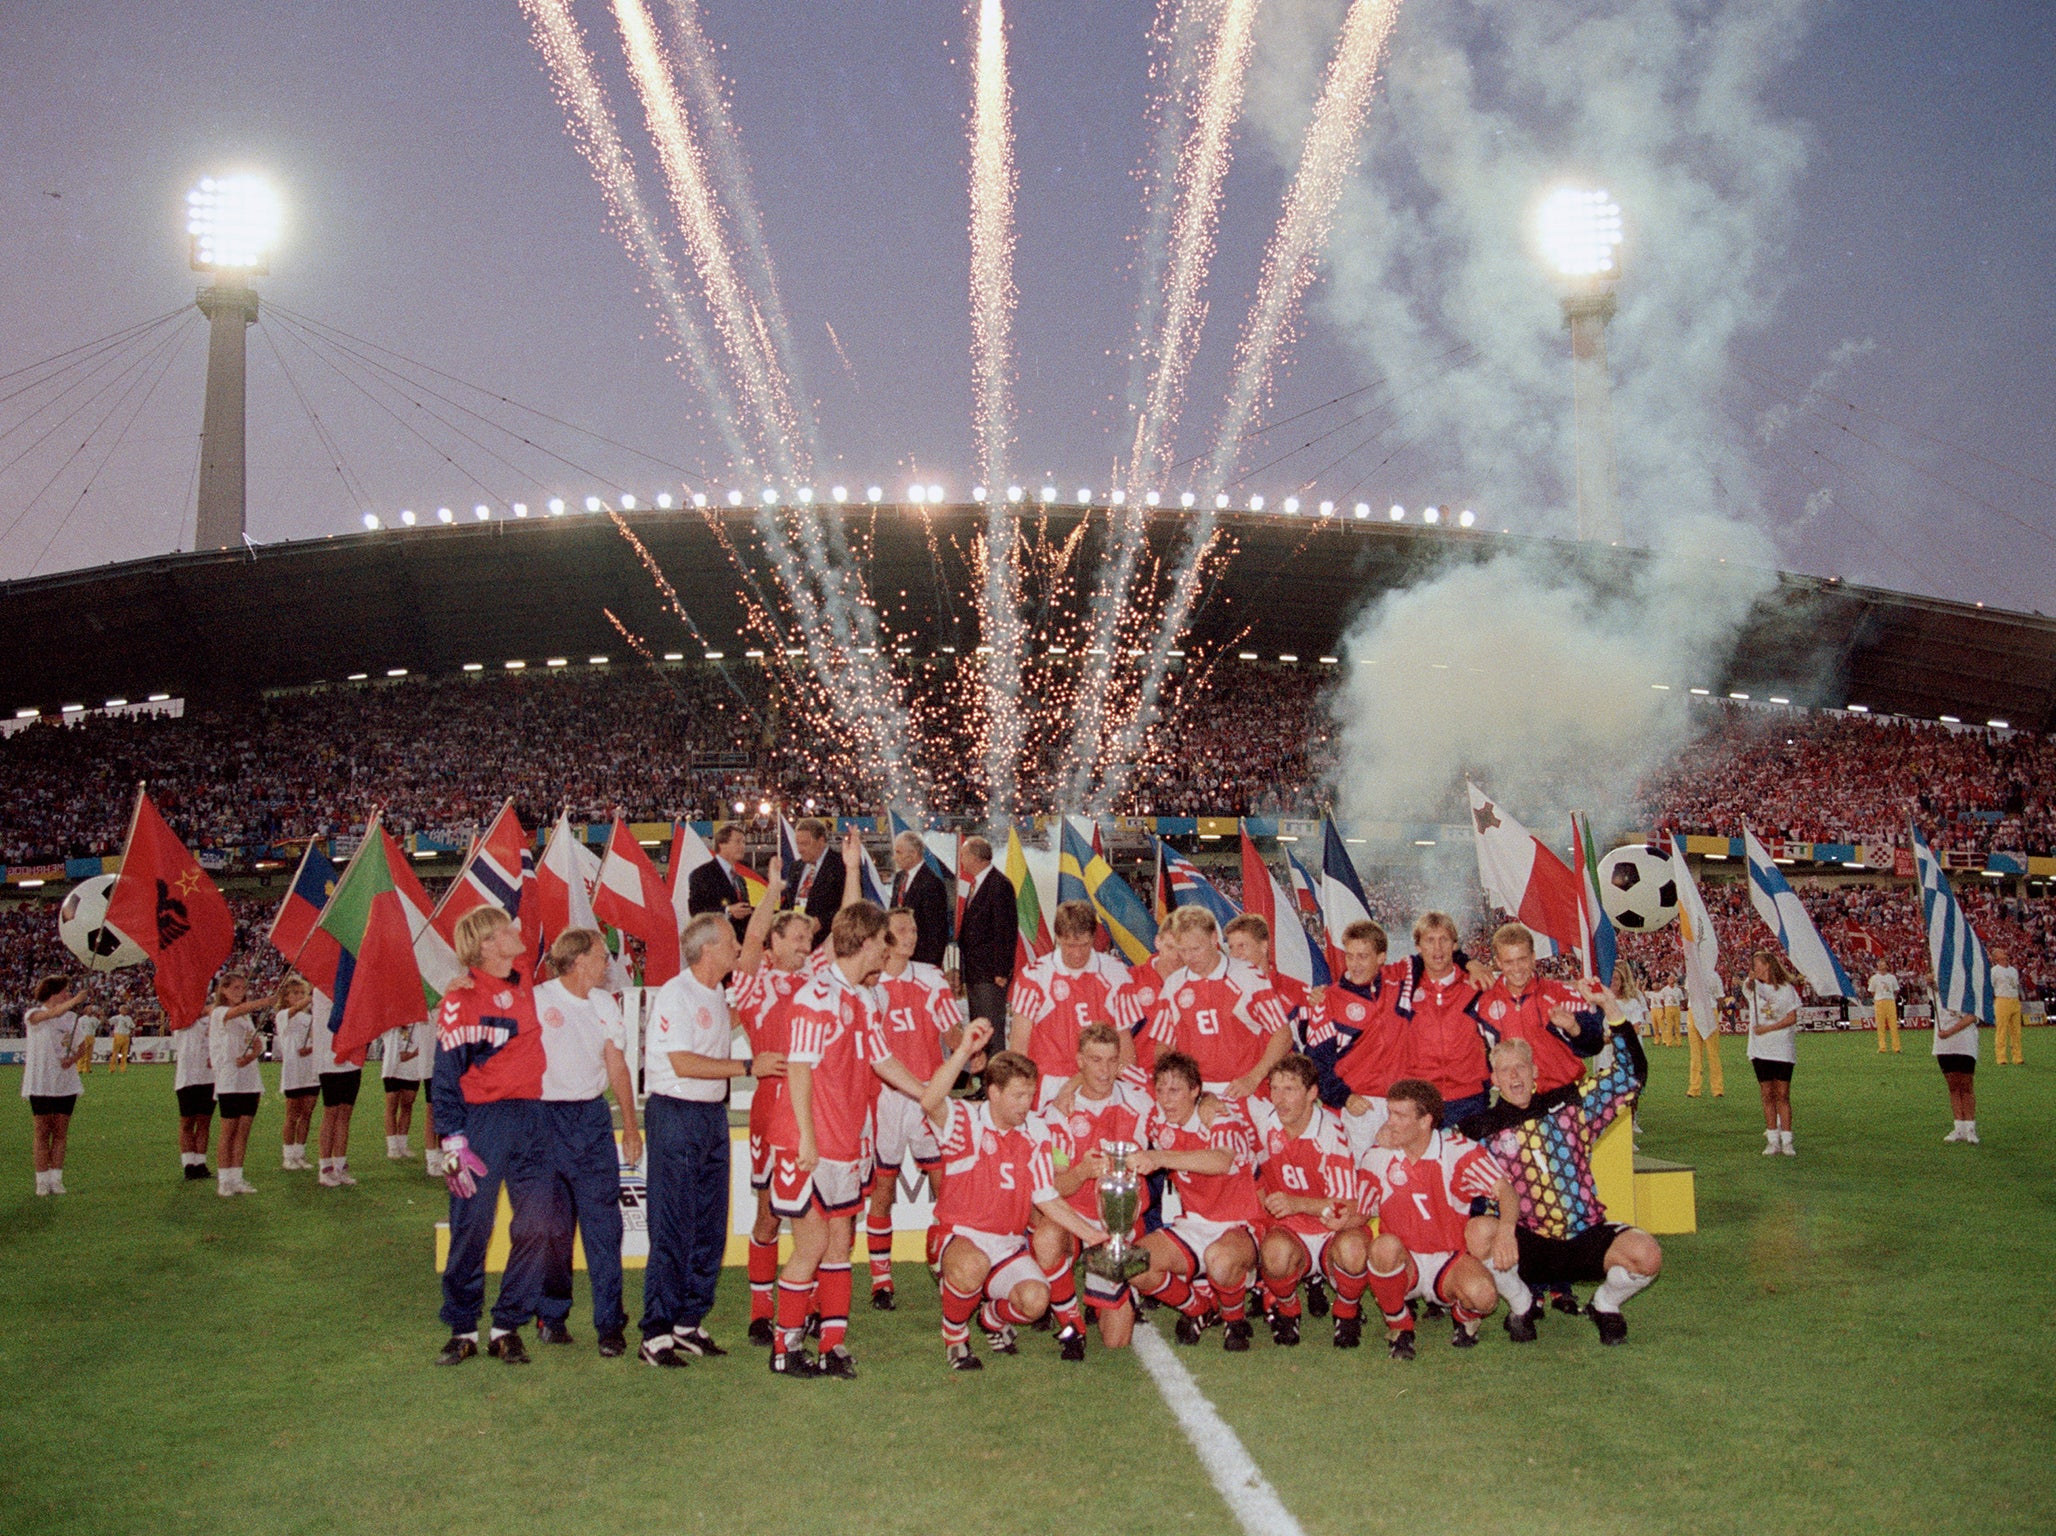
(234, 1047)
(299, 1079)
(1771, 1008)
(1956, 1055)
(57, 1043)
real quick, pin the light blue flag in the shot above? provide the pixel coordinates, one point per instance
(1963, 976)
(1784, 915)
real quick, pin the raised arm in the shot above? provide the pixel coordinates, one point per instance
(759, 931)
(934, 1095)
(852, 862)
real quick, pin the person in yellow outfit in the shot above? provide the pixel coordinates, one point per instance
(1665, 1001)
(1705, 1056)
(2005, 1007)
(123, 1027)
(1884, 1004)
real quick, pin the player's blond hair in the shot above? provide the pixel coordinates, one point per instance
(473, 929)
(1624, 983)
(1513, 1050)
(1431, 922)
(1099, 1032)
(1191, 920)
(1513, 936)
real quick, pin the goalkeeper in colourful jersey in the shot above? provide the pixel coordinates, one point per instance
(1545, 1141)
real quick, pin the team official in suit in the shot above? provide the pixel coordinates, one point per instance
(985, 946)
(815, 886)
(717, 886)
(919, 889)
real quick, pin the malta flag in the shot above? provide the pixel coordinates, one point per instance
(1291, 953)
(631, 895)
(164, 901)
(377, 984)
(497, 872)
(564, 882)
(313, 883)
(1525, 880)
(1342, 893)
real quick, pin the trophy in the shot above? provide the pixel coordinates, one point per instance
(1120, 1191)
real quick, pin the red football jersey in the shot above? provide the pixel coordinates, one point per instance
(1222, 1020)
(1444, 1045)
(1058, 1003)
(1425, 1204)
(1094, 1124)
(1229, 1196)
(919, 1011)
(1527, 1018)
(835, 1031)
(1314, 1163)
(992, 1179)
(761, 1001)
(1373, 1035)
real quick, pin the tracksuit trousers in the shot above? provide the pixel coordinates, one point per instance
(511, 1138)
(687, 1146)
(585, 1198)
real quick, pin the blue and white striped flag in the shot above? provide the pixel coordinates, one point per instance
(1963, 976)
(1783, 913)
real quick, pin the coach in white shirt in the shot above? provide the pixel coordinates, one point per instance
(584, 1054)
(687, 1073)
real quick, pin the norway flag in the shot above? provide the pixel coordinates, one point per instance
(498, 872)
(1190, 888)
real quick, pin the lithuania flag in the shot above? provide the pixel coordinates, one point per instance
(1034, 940)
(377, 979)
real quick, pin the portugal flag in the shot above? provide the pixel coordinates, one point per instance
(165, 902)
(377, 979)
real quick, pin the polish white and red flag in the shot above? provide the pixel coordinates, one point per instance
(1524, 879)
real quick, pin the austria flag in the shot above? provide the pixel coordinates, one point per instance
(1525, 880)
(631, 895)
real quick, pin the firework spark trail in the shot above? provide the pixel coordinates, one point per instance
(683, 162)
(992, 309)
(562, 45)
(1202, 170)
(1325, 161)
(695, 55)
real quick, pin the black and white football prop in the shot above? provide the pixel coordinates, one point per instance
(1637, 888)
(82, 924)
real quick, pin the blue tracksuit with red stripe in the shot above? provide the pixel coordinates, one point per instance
(487, 1088)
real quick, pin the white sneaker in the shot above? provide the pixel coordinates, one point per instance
(329, 1180)
(433, 1160)
(57, 1182)
(1969, 1136)
(1788, 1149)
(1955, 1135)
(1771, 1149)
(343, 1176)
(245, 1187)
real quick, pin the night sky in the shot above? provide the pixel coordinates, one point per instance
(437, 206)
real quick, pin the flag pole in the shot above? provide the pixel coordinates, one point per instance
(370, 832)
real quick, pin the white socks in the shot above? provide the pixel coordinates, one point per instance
(1786, 1143)
(192, 1159)
(43, 1184)
(1966, 1130)
(1620, 1283)
(396, 1147)
(227, 1179)
(1508, 1282)
(295, 1155)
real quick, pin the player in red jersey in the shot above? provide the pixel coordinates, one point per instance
(1312, 1223)
(998, 1177)
(1561, 1023)
(1061, 993)
(1422, 1181)
(1100, 1106)
(1444, 1043)
(1248, 938)
(923, 1023)
(820, 1137)
(1208, 1154)
(1219, 1012)
(1135, 1004)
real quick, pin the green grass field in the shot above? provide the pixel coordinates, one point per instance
(1859, 1339)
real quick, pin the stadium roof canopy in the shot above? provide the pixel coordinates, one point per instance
(224, 625)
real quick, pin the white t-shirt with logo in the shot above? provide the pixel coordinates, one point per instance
(195, 1054)
(228, 1041)
(686, 1017)
(576, 1033)
(1884, 985)
(1767, 1003)
(51, 1045)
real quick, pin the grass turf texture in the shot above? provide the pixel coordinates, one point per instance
(1857, 1340)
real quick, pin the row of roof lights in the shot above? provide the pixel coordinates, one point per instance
(33, 712)
(923, 495)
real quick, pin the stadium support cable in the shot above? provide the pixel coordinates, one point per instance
(353, 484)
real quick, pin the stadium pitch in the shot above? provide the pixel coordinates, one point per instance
(1856, 1340)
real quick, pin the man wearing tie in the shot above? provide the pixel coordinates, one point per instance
(919, 889)
(992, 925)
(816, 885)
(717, 886)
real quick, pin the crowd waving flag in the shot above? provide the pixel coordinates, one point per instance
(377, 983)
(1125, 914)
(1771, 894)
(1701, 945)
(630, 894)
(1963, 975)
(164, 901)
(1525, 880)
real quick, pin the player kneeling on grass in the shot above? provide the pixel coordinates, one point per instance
(1207, 1151)
(1093, 1110)
(1545, 1141)
(1312, 1225)
(996, 1178)
(1423, 1180)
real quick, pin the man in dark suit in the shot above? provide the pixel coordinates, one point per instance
(919, 889)
(985, 945)
(717, 886)
(816, 885)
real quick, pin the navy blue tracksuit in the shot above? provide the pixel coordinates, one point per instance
(510, 1137)
(688, 1210)
(585, 1196)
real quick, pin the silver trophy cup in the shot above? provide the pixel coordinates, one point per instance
(1120, 1191)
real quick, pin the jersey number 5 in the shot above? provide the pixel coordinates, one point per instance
(1006, 1175)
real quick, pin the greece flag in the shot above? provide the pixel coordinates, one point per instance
(1780, 908)
(1963, 976)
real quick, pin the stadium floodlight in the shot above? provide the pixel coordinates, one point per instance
(1151, 499)
(1291, 505)
(407, 517)
(117, 703)
(841, 493)
(1118, 499)
(874, 494)
(717, 655)
(699, 499)
(29, 712)
(1362, 510)
(396, 671)
(592, 503)
(482, 512)
(916, 494)
(558, 661)
(1466, 518)
(627, 504)
(935, 494)
(770, 495)
(371, 520)
(521, 509)
(1186, 499)
(806, 495)
(1997, 725)
(445, 515)
(1431, 514)
(1580, 233)
(674, 655)
(1256, 503)
(1084, 496)
(556, 506)
(734, 498)
(1396, 512)
(474, 666)
(663, 501)
(233, 222)
(1015, 493)
(596, 661)
(516, 666)
(1327, 509)
(978, 493)
(1220, 501)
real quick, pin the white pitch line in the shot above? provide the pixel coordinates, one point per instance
(1236, 1477)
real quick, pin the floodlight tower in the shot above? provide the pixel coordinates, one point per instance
(233, 222)
(1580, 229)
